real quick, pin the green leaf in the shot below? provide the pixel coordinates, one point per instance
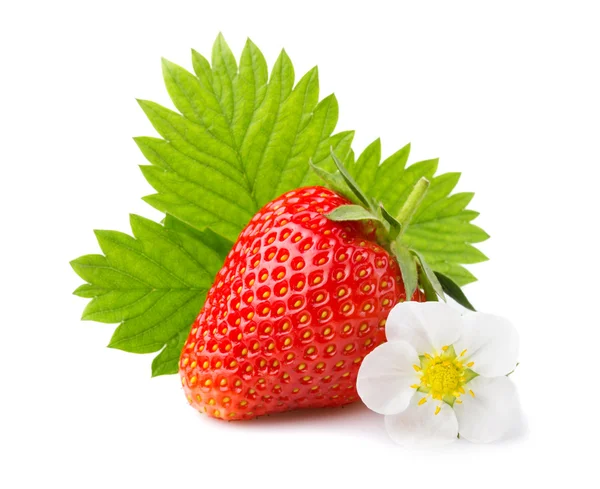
(365, 168)
(239, 139)
(441, 229)
(386, 180)
(408, 268)
(453, 290)
(351, 213)
(225, 71)
(152, 283)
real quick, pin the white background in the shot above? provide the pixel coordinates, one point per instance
(506, 92)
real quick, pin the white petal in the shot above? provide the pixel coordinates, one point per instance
(385, 377)
(425, 325)
(491, 413)
(492, 343)
(419, 425)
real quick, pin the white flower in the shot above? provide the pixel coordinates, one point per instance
(442, 373)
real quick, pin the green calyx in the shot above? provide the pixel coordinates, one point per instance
(391, 231)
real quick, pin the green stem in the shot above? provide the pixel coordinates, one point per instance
(412, 203)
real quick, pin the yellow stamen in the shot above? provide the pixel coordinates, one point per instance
(472, 393)
(422, 401)
(417, 368)
(437, 410)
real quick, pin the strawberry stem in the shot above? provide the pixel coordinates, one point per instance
(412, 204)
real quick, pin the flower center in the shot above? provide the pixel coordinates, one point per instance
(443, 376)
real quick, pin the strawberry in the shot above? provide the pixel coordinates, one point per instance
(298, 304)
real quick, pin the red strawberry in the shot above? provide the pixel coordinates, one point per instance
(297, 305)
